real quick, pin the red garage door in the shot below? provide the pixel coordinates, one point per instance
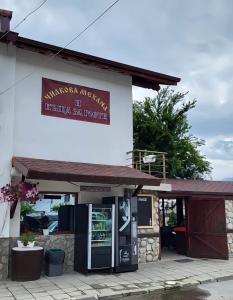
(206, 222)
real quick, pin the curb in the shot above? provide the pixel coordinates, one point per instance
(224, 278)
(160, 288)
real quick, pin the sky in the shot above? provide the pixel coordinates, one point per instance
(190, 39)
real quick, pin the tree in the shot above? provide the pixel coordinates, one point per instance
(161, 124)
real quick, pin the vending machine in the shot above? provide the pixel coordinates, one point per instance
(94, 237)
(126, 241)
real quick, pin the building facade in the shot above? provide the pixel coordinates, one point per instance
(82, 141)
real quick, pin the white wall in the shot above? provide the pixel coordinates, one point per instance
(25, 132)
(15, 222)
(63, 139)
(4, 219)
(7, 77)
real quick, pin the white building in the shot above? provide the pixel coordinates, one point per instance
(37, 124)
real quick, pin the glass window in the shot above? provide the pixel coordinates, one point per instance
(50, 212)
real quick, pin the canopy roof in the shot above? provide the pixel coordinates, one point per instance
(33, 168)
(182, 187)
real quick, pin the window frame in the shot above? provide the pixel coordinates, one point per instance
(76, 196)
(152, 211)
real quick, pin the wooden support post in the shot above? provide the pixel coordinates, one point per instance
(163, 210)
(164, 166)
(179, 212)
(140, 160)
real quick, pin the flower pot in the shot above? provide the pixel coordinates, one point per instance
(45, 231)
(20, 244)
(31, 244)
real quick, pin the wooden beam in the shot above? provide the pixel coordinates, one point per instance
(137, 190)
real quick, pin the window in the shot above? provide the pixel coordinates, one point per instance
(53, 212)
(145, 210)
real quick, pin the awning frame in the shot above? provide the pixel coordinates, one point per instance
(38, 169)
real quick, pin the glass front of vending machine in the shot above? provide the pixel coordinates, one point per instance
(94, 237)
(101, 237)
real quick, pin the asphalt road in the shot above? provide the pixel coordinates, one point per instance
(213, 291)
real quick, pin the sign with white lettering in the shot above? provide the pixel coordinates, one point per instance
(70, 101)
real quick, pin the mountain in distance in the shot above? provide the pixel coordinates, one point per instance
(228, 179)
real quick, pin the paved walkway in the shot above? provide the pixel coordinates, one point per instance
(152, 277)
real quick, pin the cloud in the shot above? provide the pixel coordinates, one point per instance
(219, 147)
(222, 169)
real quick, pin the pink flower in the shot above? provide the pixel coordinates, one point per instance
(24, 191)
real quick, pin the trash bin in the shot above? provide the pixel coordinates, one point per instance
(54, 261)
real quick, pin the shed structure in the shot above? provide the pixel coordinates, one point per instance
(208, 215)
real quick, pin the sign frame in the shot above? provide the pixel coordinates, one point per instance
(75, 102)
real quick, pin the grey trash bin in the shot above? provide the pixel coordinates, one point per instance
(54, 261)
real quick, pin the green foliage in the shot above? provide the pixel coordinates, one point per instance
(27, 237)
(161, 124)
(26, 208)
(55, 208)
(172, 219)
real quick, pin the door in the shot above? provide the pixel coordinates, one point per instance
(101, 236)
(206, 226)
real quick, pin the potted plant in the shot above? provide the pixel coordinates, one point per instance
(27, 208)
(12, 194)
(27, 239)
(23, 192)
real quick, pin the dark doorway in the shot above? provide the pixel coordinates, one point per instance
(173, 226)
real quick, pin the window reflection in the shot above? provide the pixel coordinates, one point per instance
(51, 212)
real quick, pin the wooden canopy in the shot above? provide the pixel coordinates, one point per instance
(43, 169)
(182, 187)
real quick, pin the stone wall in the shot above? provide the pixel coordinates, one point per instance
(62, 241)
(230, 244)
(229, 213)
(4, 256)
(229, 224)
(148, 240)
(148, 249)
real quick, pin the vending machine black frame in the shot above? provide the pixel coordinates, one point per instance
(126, 242)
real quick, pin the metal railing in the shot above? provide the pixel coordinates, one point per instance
(150, 162)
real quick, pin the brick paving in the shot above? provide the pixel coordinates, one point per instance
(151, 277)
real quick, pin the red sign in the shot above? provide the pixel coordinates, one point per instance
(70, 101)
